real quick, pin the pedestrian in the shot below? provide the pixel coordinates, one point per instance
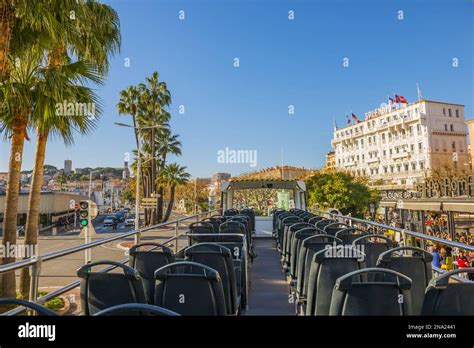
(436, 256)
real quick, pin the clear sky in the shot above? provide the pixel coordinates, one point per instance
(282, 62)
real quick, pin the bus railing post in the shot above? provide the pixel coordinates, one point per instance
(34, 279)
(176, 232)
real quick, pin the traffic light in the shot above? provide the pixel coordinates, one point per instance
(84, 213)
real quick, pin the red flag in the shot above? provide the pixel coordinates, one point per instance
(402, 99)
(355, 118)
(397, 99)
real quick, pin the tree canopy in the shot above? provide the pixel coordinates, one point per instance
(341, 191)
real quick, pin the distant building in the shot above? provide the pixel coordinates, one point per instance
(330, 162)
(470, 128)
(217, 177)
(67, 167)
(126, 171)
(280, 172)
(406, 144)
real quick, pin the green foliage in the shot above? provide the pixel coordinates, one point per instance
(341, 191)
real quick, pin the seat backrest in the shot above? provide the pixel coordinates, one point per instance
(309, 247)
(146, 262)
(251, 214)
(349, 234)
(323, 223)
(373, 245)
(413, 262)
(284, 225)
(96, 293)
(333, 227)
(215, 222)
(190, 288)
(445, 297)
(201, 227)
(328, 265)
(288, 235)
(219, 258)
(315, 219)
(389, 297)
(296, 241)
(230, 212)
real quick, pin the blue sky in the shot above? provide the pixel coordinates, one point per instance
(282, 63)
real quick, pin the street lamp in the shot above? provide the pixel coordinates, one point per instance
(139, 166)
(90, 182)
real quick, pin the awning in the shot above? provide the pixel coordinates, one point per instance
(461, 207)
(419, 205)
(388, 204)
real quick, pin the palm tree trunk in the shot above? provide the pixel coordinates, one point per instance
(159, 202)
(6, 25)
(32, 216)
(169, 209)
(153, 174)
(10, 217)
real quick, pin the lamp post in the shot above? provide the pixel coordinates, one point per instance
(139, 167)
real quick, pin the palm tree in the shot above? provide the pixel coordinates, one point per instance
(173, 175)
(167, 144)
(57, 84)
(47, 25)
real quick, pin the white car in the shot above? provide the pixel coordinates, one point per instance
(130, 220)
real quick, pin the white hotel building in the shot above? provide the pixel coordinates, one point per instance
(403, 145)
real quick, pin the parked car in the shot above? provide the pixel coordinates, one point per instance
(130, 220)
(110, 220)
(120, 215)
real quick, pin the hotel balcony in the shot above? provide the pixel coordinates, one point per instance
(401, 155)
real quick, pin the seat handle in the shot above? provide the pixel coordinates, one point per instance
(134, 307)
(444, 278)
(133, 250)
(367, 236)
(386, 256)
(345, 282)
(128, 271)
(37, 307)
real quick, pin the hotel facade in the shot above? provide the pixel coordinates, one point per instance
(403, 145)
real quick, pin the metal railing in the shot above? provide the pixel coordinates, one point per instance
(404, 233)
(36, 262)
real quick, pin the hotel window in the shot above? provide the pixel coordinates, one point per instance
(399, 168)
(449, 113)
(444, 111)
(457, 113)
(446, 127)
(397, 150)
(419, 146)
(453, 145)
(390, 151)
(384, 153)
(418, 129)
(406, 167)
(412, 147)
(451, 127)
(391, 169)
(413, 165)
(385, 169)
(422, 165)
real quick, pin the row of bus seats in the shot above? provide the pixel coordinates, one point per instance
(209, 277)
(336, 269)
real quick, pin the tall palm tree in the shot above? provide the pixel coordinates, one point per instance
(92, 36)
(154, 97)
(16, 98)
(167, 144)
(57, 84)
(173, 175)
